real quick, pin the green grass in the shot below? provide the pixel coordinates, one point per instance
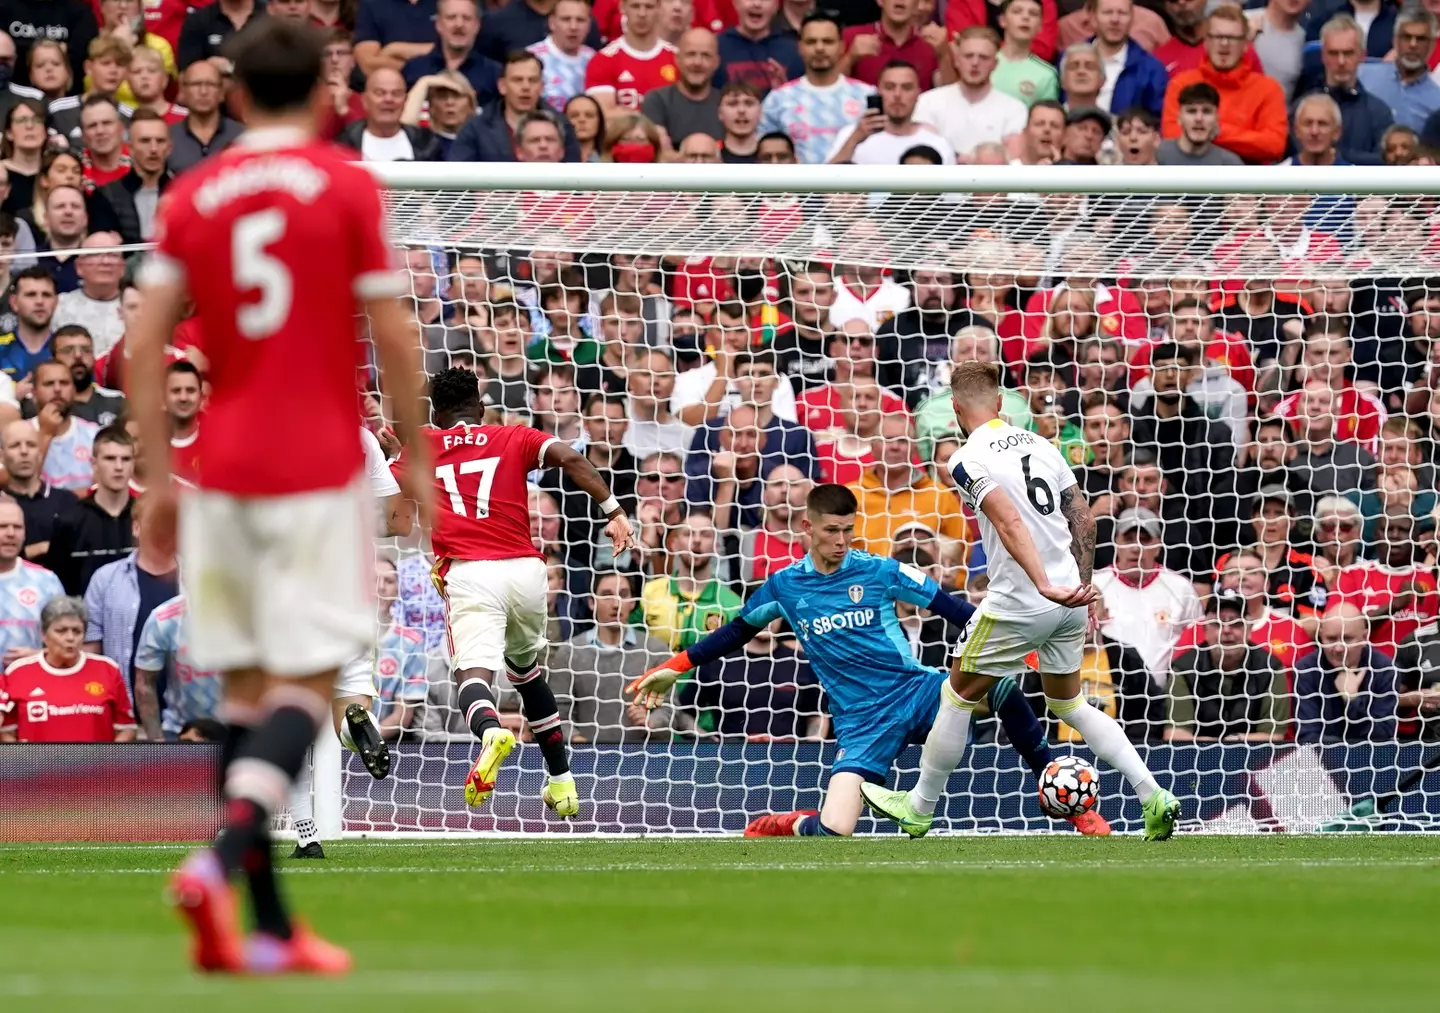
(1063, 923)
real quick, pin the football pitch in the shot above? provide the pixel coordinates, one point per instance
(1063, 923)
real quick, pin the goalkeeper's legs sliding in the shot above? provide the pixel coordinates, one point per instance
(270, 725)
(843, 803)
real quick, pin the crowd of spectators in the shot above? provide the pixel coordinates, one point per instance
(1261, 454)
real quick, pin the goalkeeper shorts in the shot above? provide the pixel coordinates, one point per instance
(871, 741)
(997, 646)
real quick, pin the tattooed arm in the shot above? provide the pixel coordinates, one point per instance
(1082, 530)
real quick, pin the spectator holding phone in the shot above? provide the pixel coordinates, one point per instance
(888, 129)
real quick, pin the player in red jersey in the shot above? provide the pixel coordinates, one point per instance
(620, 75)
(492, 576)
(280, 242)
(64, 694)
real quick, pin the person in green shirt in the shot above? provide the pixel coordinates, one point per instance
(1019, 72)
(692, 602)
(1045, 391)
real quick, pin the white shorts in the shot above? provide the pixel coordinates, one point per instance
(495, 609)
(998, 645)
(281, 583)
(357, 678)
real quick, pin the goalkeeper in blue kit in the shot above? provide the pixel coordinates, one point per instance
(841, 603)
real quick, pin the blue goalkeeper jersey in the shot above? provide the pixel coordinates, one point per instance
(847, 623)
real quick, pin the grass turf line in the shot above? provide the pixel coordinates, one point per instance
(1229, 924)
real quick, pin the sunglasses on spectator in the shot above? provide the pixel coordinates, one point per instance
(662, 476)
(1232, 39)
(1332, 524)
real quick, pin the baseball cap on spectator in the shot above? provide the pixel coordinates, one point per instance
(1138, 518)
(453, 80)
(913, 527)
(1084, 113)
(1227, 599)
(1272, 494)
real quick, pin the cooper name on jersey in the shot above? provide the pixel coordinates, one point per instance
(303, 180)
(851, 620)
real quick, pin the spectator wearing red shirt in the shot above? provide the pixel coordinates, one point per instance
(64, 694)
(868, 48)
(1281, 240)
(104, 157)
(962, 14)
(165, 18)
(716, 15)
(779, 540)
(1279, 634)
(182, 408)
(852, 355)
(1396, 595)
(1254, 122)
(844, 448)
(638, 62)
(1328, 357)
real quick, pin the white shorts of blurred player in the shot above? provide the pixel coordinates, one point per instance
(495, 609)
(280, 583)
(997, 646)
(357, 678)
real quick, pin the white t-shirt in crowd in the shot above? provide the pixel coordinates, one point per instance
(886, 301)
(885, 148)
(691, 385)
(386, 149)
(101, 317)
(1149, 616)
(1112, 67)
(966, 124)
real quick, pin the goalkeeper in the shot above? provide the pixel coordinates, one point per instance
(841, 603)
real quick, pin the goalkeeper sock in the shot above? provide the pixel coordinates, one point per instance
(302, 802)
(1022, 727)
(266, 765)
(537, 700)
(1107, 740)
(477, 703)
(943, 748)
(810, 826)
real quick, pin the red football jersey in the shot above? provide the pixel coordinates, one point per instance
(630, 74)
(184, 461)
(85, 703)
(482, 500)
(1369, 585)
(1358, 415)
(164, 18)
(1274, 631)
(278, 239)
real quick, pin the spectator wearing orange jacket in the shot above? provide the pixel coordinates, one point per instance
(1253, 120)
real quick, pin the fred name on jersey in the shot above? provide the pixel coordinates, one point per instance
(467, 437)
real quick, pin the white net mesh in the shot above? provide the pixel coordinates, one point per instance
(1281, 455)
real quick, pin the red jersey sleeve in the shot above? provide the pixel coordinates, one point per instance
(119, 699)
(372, 259)
(166, 263)
(533, 443)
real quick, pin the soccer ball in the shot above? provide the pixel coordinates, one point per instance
(1068, 787)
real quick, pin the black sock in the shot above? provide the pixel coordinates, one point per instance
(272, 754)
(229, 746)
(1021, 725)
(477, 703)
(542, 714)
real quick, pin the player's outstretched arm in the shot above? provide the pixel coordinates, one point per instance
(1082, 530)
(954, 610)
(583, 473)
(397, 345)
(650, 688)
(1010, 526)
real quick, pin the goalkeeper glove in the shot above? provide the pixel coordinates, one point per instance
(650, 688)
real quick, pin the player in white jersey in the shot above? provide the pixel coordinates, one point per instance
(353, 703)
(1039, 539)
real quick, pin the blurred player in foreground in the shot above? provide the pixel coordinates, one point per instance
(841, 602)
(492, 576)
(1040, 543)
(280, 242)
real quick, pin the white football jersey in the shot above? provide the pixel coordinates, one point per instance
(1033, 474)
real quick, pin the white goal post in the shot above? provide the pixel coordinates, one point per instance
(1277, 282)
